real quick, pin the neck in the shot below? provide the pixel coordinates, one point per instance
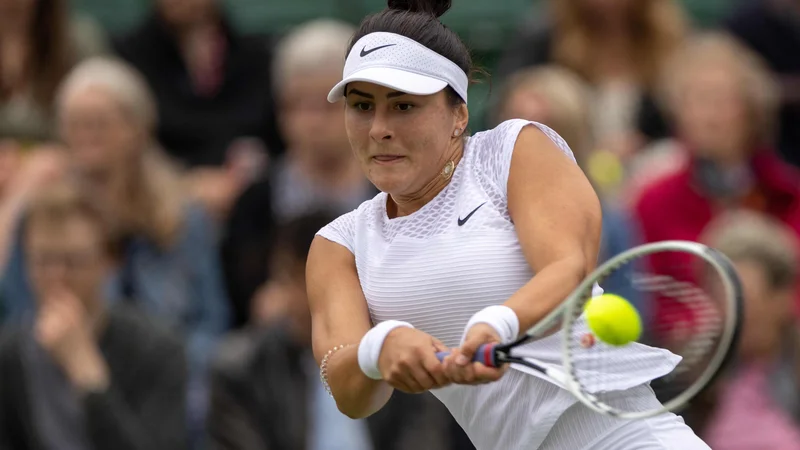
(404, 205)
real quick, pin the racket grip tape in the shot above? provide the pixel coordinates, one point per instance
(484, 355)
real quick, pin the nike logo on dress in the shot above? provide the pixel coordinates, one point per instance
(465, 219)
(365, 52)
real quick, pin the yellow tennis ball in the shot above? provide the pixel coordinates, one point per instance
(613, 319)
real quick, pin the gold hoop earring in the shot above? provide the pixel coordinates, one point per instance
(448, 170)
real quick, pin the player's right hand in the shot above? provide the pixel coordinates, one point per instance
(408, 361)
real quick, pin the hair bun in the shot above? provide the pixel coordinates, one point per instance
(434, 7)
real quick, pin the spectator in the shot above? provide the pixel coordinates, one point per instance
(22, 174)
(39, 43)
(266, 391)
(758, 400)
(318, 170)
(558, 98)
(211, 83)
(83, 374)
(770, 27)
(169, 264)
(618, 47)
(723, 102)
(213, 90)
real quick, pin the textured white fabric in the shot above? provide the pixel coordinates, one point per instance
(369, 349)
(500, 317)
(400, 63)
(427, 270)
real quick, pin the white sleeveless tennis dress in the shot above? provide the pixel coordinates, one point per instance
(435, 268)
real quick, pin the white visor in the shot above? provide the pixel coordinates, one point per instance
(399, 63)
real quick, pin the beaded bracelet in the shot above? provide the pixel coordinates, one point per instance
(323, 367)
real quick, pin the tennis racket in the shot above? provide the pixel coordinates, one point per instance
(690, 301)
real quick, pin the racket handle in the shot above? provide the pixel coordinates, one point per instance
(484, 355)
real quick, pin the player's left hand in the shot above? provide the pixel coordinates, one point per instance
(458, 365)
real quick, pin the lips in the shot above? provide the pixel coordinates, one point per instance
(387, 159)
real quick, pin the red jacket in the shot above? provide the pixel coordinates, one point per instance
(673, 207)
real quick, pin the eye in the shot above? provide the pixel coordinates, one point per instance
(404, 106)
(362, 106)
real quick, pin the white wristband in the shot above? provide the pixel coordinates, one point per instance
(369, 350)
(502, 318)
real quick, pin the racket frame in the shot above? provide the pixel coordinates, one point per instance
(565, 314)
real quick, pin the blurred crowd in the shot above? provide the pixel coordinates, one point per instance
(160, 188)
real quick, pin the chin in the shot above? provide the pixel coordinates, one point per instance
(389, 185)
(389, 181)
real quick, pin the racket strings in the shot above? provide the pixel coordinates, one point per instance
(681, 313)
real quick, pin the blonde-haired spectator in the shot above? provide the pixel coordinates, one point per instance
(317, 170)
(722, 101)
(619, 48)
(757, 401)
(169, 264)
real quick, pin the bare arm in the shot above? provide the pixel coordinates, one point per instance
(340, 317)
(558, 220)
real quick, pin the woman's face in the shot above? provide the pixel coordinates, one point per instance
(310, 124)
(99, 134)
(711, 114)
(402, 141)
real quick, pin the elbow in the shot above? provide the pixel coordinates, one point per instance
(363, 406)
(354, 411)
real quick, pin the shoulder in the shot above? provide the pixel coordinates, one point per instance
(492, 150)
(198, 224)
(343, 229)
(143, 335)
(504, 137)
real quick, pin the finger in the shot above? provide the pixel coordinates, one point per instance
(404, 379)
(461, 374)
(401, 386)
(423, 378)
(468, 349)
(453, 371)
(487, 374)
(438, 346)
(435, 370)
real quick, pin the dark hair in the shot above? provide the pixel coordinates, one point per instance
(294, 238)
(51, 55)
(419, 20)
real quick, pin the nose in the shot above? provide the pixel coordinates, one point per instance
(380, 130)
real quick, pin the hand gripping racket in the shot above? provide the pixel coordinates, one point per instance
(690, 301)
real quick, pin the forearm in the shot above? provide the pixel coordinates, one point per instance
(546, 290)
(357, 396)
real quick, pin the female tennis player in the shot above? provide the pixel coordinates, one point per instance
(471, 240)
